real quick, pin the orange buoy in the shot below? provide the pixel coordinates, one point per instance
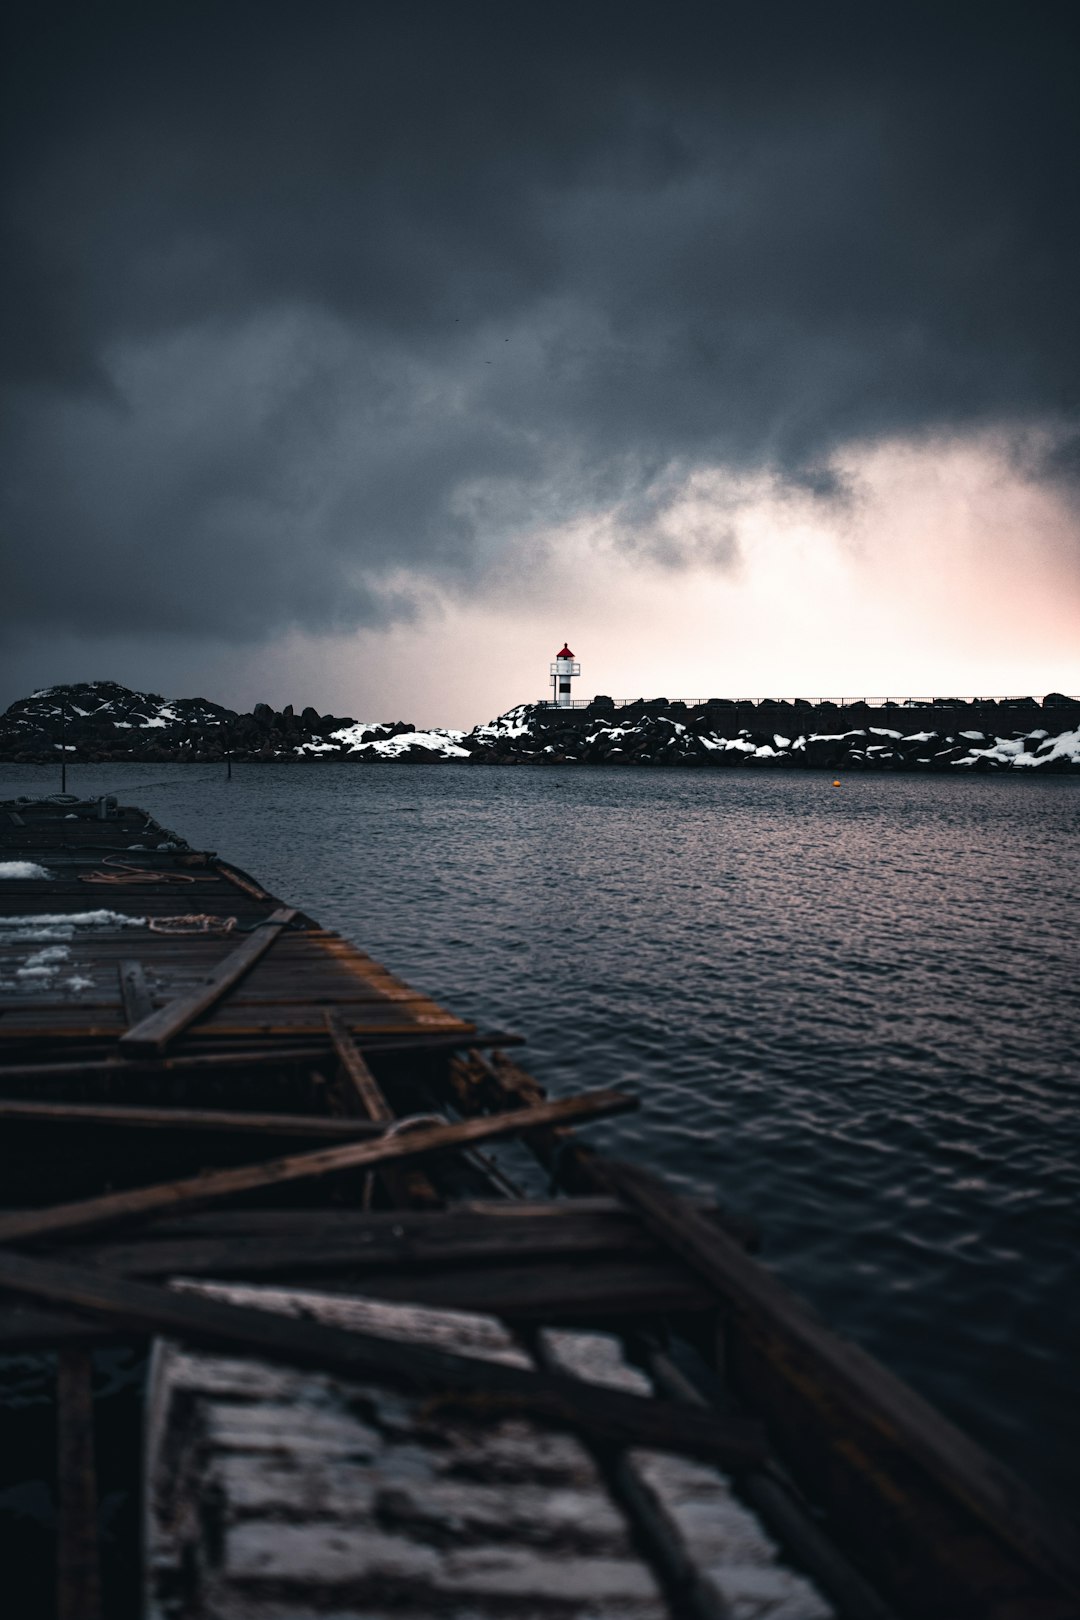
(837, 782)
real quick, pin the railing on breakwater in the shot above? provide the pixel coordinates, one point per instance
(815, 703)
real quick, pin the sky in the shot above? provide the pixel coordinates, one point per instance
(360, 354)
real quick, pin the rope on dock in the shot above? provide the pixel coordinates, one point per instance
(194, 922)
(126, 872)
(408, 1123)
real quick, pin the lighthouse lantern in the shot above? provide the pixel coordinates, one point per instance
(563, 671)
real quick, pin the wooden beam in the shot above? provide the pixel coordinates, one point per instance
(497, 1082)
(825, 1388)
(690, 1593)
(367, 1088)
(273, 1054)
(241, 880)
(209, 1119)
(78, 1572)
(486, 1389)
(43, 1329)
(596, 1289)
(216, 1186)
(404, 1187)
(154, 1033)
(92, 1067)
(399, 1241)
(134, 991)
(494, 1213)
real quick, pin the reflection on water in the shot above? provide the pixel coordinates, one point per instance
(852, 1012)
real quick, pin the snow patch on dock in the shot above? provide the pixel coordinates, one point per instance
(23, 869)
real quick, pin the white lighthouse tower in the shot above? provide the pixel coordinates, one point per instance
(563, 670)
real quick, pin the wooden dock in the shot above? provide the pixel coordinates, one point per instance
(385, 1379)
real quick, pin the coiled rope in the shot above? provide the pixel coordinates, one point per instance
(409, 1123)
(125, 872)
(193, 922)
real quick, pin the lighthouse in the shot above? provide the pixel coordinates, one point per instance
(563, 670)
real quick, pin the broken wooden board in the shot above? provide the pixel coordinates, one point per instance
(318, 1496)
(131, 1117)
(155, 1032)
(480, 1389)
(198, 1191)
(948, 1529)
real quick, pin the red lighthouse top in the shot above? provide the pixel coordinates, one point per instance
(566, 653)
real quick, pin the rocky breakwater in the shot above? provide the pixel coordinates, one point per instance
(103, 721)
(947, 736)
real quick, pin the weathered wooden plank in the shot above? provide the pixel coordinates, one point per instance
(281, 1021)
(362, 1017)
(154, 1033)
(225, 1058)
(479, 1081)
(605, 1289)
(40, 1327)
(275, 1054)
(497, 1082)
(240, 880)
(404, 1187)
(473, 1213)
(691, 1594)
(120, 1117)
(486, 1389)
(780, 1506)
(398, 1240)
(78, 1573)
(826, 1388)
(360, 1077)
(134, 991)
(93, 1213)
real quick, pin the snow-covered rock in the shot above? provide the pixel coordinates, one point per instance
(417, 746)
(638, 734)
(101, 720)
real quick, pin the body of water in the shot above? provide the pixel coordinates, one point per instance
(852, 1012)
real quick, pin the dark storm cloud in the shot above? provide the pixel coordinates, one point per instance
(309, 305)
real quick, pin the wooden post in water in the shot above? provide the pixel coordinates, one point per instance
(78, 1570)
(63, 747)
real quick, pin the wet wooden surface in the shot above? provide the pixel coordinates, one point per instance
(148, 956)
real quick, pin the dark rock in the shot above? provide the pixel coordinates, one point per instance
(822, 752)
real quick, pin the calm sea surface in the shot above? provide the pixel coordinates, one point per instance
(851, 1012)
